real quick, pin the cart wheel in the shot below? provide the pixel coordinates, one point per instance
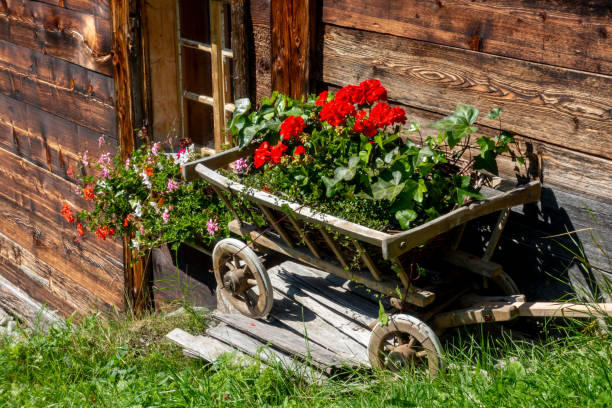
(405, 341)
(504, 282)
(242, 278)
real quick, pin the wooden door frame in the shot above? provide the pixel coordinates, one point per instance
(132, 106)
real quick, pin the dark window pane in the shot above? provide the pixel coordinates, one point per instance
(195, 20)
(196, 71)
(199, 123)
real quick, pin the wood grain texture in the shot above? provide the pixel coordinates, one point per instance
(18, 303)
(240, 75)
(293, 29)
(135, 279)
(564, 33)
(95, 7)
(553, 105)
(77, 107)
(74, 36)
(25, 270)
(49, 141)
(56, 72)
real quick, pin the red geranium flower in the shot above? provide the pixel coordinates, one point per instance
(385, 115)
(149, 171)
(373, 91)
(366, 126)
(88, 192)
(126, 220)
(104, 232)
(299, 150)
(262, 154)
(335, 112)
(277, 152)
(351, 94)
(291, 127)
(80, 229)
(322, 98)
(67, 213)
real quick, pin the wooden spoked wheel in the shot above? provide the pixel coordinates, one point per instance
(242, 279)
(507, 285)
(404, 342)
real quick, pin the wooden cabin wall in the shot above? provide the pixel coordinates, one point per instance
(548, 64)
(56, 100)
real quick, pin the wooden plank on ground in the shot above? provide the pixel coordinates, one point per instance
(308, 323)
(208, 348)
(284, 340)
(18, 303)
(568, 34)
(436, 78)
(326, 290)
(262, 351)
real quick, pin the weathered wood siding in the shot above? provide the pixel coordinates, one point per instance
(548, 64)
(56, 100)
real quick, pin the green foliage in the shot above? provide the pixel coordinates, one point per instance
(118, 362)
(416, 183)
(146, 199)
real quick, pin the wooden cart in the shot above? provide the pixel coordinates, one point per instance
(467, 289)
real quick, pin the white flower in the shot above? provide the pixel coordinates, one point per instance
(135, 244)
(145, 179)
(137, 207)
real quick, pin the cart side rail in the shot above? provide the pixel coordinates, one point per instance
(397, 244)
(303, 212)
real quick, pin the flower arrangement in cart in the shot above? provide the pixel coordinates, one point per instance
(355, 156)
(145, 198)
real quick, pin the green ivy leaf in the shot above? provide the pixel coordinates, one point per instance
(494, 114)
(385, 190)
(405, 217)
(466, 114)
(421, 189)
(487, 162)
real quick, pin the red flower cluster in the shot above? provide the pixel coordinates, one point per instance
(80, 229)
(322, 98)
(335, 112)
(88, 192)
(262, 155)
(365, 125)
(385, 115)
(291, 127)
(276, 152)
(104, 232)
(67, 213)
(299, 150)
(373, 91)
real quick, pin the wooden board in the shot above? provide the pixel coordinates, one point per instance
(563, 33)
(284, 340)
(18, 303)
(74, 36)
(95, 7)
(542, 102)
(160, 19)
(207, 348)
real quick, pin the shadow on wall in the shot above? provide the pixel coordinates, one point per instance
(546, 262)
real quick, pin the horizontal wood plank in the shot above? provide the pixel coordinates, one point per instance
(18, 303)
(74, 36)
(67, 103)
(44, 283)
(545, 103)
(47, 140)
(95, 7)
(563, 33)
(55, 71)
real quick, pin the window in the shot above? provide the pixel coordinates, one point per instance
(190, 69)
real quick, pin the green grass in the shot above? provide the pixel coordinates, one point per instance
(124, 362)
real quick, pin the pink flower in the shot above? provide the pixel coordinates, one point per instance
(212, 227)
(85, 161)
(100, 141)
(172, 185)
(104, 160)
(104, 174)
(155, 148)
(127, 164)
(240, 165)
(77, 190)
(142, 230)
(166, 215)
(150, 160)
